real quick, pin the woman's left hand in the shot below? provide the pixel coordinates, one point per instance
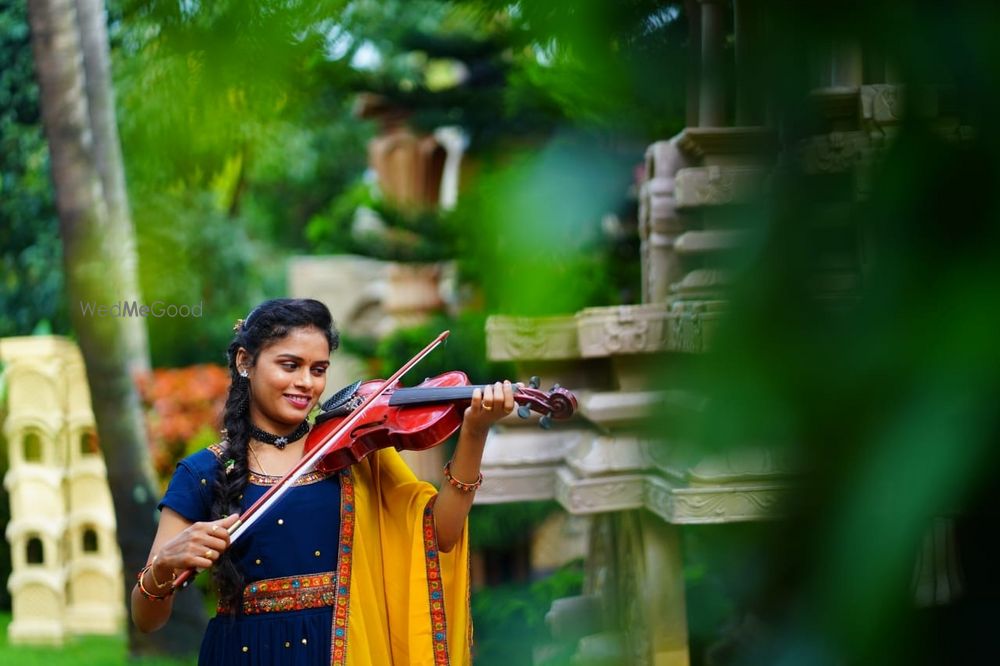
(489, 405)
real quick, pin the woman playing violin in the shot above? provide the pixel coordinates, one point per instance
(365, 565)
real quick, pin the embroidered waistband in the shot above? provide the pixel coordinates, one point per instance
(275, 595)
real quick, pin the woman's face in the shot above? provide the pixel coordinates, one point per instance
(288, 379)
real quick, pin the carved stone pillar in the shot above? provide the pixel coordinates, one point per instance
(749, 33)
(712, 101)
(846, 65)
(454, 141)
(728, 168)
(659, 221)
(692, 8)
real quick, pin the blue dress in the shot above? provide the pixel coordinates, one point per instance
(288, 559)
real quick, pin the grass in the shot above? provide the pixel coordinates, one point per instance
(77, 651)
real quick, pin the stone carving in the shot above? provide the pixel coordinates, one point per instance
(66, 576)
(706, 242)
(623, 329)
(636, 623)
(728, 505)
(601, 455)
(708, 142)
(837, 152)
(720, 504)
(527, 338)
(881, 104)
(596, 495)
(517, 445)
(517, 485)
(742, 465)
(659, 221)
(837, 105)
(613, 409)
(703, 283)
(717, 185)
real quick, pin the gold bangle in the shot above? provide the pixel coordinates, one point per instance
(152, 573)
(464, 487)
(146, 593)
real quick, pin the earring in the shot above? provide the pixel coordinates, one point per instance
(244, 374)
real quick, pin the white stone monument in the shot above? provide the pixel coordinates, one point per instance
(66, 575)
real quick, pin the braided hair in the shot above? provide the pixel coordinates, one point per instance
(267, 323)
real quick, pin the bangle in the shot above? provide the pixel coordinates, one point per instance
(152, 572)
(146, 593)
(464, 487)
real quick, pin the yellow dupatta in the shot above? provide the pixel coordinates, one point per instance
(399, 600)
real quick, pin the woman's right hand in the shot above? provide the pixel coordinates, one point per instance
(197, 547)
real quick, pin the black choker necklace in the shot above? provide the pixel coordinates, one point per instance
(279, 440)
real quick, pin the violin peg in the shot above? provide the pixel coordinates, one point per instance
(545, 422)
(524, 411)
(556, 386)
(534, 382)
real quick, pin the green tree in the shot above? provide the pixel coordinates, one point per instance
(98, 267)
(31, 286)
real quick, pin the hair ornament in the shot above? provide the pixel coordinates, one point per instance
(237, 326)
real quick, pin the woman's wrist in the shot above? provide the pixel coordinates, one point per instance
(476, 431)
(147, 585)
(162, 574)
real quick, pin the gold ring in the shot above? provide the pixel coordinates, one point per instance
(208, 554)
(215, 528)
(488, 407)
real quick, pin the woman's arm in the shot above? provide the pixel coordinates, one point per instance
(453, 505)
(179, 545)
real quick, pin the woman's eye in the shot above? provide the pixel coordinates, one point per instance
(289, 366)
(319, 372)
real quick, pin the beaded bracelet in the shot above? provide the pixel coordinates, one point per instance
(146, 593)
(464, 487)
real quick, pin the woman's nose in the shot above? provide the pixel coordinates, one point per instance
(304, 379)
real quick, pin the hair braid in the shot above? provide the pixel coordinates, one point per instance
(232, 480)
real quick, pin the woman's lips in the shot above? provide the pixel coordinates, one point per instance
(297, 401)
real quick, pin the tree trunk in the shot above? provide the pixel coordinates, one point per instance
(94, 273)
(92, 24)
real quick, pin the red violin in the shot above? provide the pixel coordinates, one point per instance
(417, 418)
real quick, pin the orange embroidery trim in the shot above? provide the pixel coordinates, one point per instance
(345, 555)
(435, 589)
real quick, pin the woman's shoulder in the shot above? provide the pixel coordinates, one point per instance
(206, 460)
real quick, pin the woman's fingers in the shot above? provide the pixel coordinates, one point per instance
(220, 528)
(216, 544)
(508, 396)
(488, 397)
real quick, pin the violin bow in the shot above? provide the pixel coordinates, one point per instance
(307, 462)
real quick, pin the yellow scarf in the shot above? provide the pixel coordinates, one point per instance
(399, 601)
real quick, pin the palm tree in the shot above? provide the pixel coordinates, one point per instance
(100, 267)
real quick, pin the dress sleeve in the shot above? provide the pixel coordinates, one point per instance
(188, 492)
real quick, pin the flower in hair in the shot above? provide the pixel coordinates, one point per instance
(237, 326)
(230, 465)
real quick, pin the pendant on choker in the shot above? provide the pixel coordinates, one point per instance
(280, 441)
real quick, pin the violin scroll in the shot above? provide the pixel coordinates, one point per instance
(558, 403)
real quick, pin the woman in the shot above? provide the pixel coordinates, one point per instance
(364, 566)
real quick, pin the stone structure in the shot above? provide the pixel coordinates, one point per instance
(370, 297)
(67, 572)
(636, 491)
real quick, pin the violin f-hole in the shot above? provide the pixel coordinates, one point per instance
(359, 431)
